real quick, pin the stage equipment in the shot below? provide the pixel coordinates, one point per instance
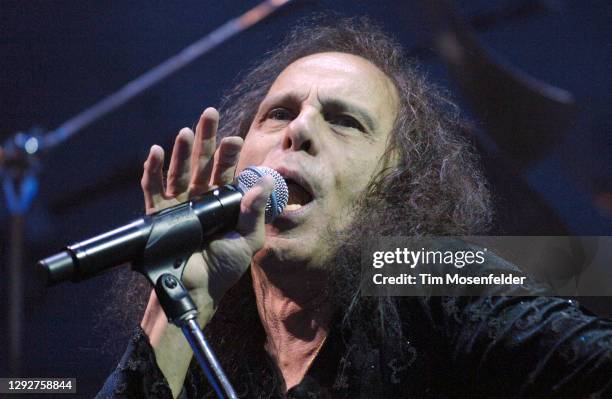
(525, 116)
(159, 246)
(21, 153)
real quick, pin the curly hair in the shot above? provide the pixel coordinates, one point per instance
(436, 179)
(435, 187)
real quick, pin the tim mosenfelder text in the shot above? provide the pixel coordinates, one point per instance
(457, 258)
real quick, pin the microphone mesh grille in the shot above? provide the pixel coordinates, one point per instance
(279, 197)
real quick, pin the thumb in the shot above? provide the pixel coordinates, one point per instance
(253, 207)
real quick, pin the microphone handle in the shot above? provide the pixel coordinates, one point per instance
(185, 224)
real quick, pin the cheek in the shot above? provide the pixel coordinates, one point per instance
(253, 152)
(356, 173)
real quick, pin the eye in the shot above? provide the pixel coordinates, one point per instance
(346, 121)
(280, 114)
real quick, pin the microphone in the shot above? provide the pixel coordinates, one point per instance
(179, 229)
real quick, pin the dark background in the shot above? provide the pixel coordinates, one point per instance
(58, 57)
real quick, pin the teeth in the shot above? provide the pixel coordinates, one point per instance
(292, 207)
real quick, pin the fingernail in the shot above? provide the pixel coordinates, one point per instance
(266, 185)
(185, 131)
(155, 155)
(210, 111)
(229, 157)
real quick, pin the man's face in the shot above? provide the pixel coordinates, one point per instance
(323, 126)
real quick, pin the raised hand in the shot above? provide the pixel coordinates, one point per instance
(195, 168)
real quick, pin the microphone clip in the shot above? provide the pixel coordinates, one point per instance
(176, 233)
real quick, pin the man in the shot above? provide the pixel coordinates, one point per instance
(368, 148)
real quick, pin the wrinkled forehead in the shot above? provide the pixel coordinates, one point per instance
(340, 76)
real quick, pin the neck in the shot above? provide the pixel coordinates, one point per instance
(294, 313)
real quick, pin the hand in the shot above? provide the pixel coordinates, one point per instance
(195, 168)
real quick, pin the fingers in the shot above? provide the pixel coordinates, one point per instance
(203, 151)
(152, 178)
(191, 165)
(252, 210)
(179, 172)
(225, 161)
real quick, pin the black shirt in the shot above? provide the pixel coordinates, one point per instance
(458, 347)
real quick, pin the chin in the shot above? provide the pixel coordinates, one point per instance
(285, 253)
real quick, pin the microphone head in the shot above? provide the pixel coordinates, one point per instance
(280, 195)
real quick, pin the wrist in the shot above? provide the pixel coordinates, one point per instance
(154, 322)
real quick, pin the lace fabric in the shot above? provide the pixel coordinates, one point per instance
(137, 374)
(456, 347)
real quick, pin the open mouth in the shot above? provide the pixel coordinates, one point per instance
(298, 196)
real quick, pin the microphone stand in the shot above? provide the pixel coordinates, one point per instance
(163, 262)
(182, 312)
(19, 167)
(18, 171)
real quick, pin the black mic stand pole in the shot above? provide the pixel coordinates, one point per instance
(18, 171)
(182, 312)
(165, 257)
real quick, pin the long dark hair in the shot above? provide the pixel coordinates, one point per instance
(434, 187)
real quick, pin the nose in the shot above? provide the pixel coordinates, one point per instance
(301, 133)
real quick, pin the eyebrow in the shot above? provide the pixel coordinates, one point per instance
(336, 105)
(283, 97)
(329, 104)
